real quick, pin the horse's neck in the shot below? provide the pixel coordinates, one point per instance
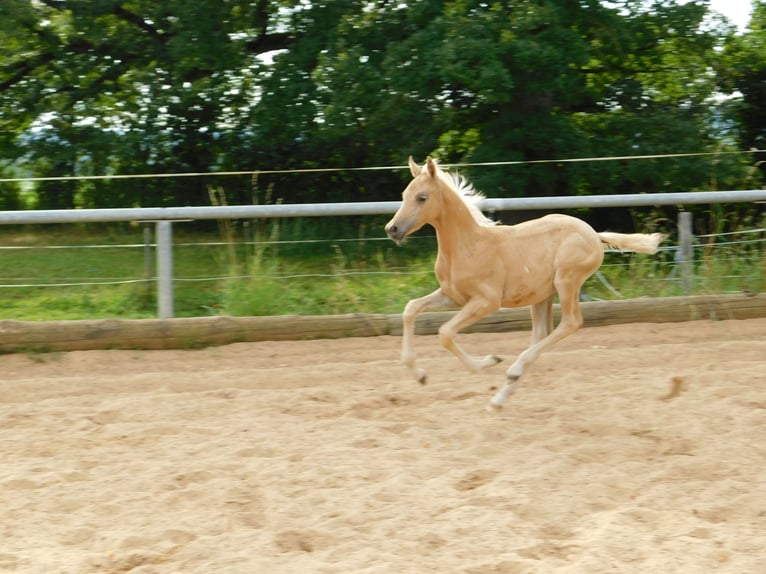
(456, 227)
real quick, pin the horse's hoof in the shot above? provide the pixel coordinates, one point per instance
(493, 408)
(421, 377)
(487, 362)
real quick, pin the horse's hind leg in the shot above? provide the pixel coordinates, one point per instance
(542, 319)
(435, 300)
(571, 321)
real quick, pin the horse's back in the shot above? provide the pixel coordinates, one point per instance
(555, 226)
(565, 242)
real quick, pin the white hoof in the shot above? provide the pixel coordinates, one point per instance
(476, 365)
(493, 407)
(490, 361)
(420, 376)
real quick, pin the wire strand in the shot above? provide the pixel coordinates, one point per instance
(370, 168)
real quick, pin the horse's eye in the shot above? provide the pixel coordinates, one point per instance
(422, 198)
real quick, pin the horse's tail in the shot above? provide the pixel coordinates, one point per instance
(639, 242)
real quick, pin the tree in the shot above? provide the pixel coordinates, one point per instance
(111, 86)
(479, 81)
(166, 80)
(743, 72)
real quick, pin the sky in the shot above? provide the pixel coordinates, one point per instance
(738, 11)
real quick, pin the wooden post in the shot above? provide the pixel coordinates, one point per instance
(686, 252)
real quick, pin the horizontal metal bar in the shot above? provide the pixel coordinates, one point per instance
(202, 212)
(369, 208)
(627, 200)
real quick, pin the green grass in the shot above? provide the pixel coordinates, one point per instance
(326, 287)
(307, 279)
(70, 264)
(717, 269)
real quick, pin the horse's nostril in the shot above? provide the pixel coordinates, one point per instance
(393, 229)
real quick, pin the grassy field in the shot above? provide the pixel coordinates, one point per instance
(213, 277)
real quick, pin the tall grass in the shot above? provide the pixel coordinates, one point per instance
(380, 280)
(259, 270)
(273, 286)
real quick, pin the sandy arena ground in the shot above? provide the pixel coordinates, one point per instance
(323, 457)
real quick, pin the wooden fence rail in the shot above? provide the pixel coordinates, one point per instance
(31, 336)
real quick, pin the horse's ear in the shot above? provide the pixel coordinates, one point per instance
(414, 168)
(431, 165)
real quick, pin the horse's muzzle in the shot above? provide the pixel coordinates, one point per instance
(396, 232)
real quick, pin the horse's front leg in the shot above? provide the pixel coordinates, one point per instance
(436, 300)
(471, 312)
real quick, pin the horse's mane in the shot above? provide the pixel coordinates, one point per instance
(468, 193)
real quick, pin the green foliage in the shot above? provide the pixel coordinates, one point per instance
(280, 286)
(103, 87)
(743, 70)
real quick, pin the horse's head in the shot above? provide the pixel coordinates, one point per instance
(420, 201)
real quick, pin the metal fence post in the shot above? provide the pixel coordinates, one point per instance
(148, 266)
(165, 269)
(686, 252)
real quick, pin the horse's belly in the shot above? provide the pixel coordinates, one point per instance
(525, 299)
(527, 288)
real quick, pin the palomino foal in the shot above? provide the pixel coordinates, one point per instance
(481, 267)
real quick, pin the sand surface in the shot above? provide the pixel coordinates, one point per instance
(323, 457)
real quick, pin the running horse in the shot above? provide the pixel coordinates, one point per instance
(482, 266)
